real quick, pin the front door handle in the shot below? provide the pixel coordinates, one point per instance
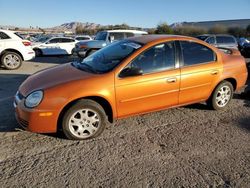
(171, 80)
(214, 72)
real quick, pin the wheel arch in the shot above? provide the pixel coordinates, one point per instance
(232, 80)
(11, 50)
(100, 100)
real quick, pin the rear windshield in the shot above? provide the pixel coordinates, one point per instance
(20, 36)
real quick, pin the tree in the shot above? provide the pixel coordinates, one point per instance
(189, 30)
(79, 29)
(237, 31)
(248, 29)
(163, 28)
(217, 29)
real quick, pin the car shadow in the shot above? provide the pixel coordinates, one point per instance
(198, 106)
(9, 84)
(244, 123)
(55, 59)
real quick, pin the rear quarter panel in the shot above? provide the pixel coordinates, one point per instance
(234, 66)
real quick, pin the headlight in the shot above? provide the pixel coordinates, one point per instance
(34, 99)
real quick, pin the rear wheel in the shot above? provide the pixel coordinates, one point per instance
(221, 96)
(11, 60)
(86, 119)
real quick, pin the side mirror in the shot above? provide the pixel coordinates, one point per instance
(130, 71)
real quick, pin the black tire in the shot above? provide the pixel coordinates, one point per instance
(85, 104)
(214, 103)
(90, 52)
(11, 65)
(38, 52)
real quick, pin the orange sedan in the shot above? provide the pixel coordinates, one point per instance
(130, 77)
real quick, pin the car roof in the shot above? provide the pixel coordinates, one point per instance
(127, 30)
(7, 31)
(227, 35)
(154, 38)
(61, 37)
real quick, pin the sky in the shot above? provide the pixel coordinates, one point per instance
(140, 13)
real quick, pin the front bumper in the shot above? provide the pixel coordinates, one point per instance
(35, 119)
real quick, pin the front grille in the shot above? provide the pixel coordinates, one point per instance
(24, 124)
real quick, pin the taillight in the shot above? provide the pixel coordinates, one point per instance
(82, 46)
(26, 43)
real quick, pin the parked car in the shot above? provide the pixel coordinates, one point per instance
(83, 37)
(14, 50)
(102, 39)
(220, 40)
(129, 77)
(55, 46)
(244, 47)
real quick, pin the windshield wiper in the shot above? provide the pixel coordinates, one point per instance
(88, 67)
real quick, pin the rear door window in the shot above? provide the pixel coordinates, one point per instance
(224, 39)
(195, 53)
(65, 40)
(129, 35)
(52, 41)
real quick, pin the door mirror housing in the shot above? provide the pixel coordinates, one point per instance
(131, 71)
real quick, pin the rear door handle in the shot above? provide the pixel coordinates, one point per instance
(214, 72)
(171, 80)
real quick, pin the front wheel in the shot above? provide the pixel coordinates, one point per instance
(38, 52)
(86, 119)
(221, 96)
(11, 60)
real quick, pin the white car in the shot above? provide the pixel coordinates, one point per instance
(83, 37)
(14, 50)
(55, 46)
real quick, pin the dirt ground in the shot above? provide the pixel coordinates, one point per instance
(183, 147)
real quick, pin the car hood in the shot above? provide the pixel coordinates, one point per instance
(52, 77)
(93, 43)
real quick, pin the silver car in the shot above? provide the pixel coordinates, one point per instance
(220, 40)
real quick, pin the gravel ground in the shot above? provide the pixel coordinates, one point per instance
(183, 147)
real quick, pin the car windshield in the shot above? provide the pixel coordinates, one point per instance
(101, 36)
(109, 57)
(202, 37)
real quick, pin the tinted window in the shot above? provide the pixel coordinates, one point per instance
(194, 53)
(225, 39)
(211, 40)
(4, 36)
(158, 58)
(65, 40)
(54, 40)
(117, 36)
(82, 38)
(129, 35)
